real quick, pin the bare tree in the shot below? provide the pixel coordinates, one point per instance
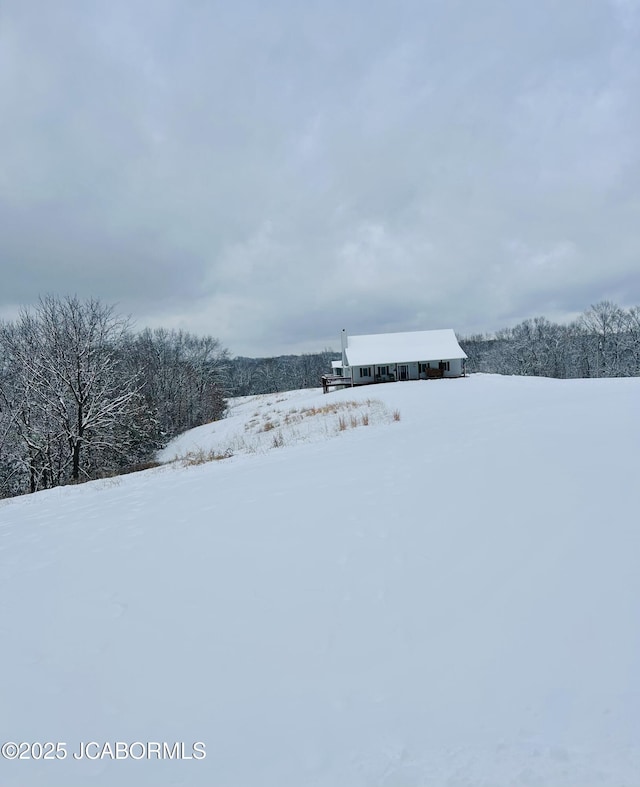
(633, 343)
(182, 377)
(70, 389)
(604, 321)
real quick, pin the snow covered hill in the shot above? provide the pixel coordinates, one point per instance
(443, 588)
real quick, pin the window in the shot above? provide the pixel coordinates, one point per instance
(338, 371)
(382, 370)
(444, 366)
(365, 371)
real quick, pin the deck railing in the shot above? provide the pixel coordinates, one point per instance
(335, 381)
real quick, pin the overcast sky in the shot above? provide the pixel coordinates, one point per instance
(271, 171)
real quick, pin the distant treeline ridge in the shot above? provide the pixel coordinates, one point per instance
(82, 395)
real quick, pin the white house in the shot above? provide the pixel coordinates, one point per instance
(386, 357)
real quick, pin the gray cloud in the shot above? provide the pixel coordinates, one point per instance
(271, 173)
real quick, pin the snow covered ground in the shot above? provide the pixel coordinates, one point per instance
(451, 598)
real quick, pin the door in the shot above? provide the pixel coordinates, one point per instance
(404, 371)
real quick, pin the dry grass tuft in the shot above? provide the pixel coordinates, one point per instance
(329, 409)
(396, 415)
(201, 457)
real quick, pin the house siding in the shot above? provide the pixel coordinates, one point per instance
(455, 368)
(374, 357)
(412, 370)
(359, 378)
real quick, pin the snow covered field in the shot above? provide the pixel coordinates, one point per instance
(451, 598)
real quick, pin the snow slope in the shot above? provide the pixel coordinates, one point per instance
(448, 599)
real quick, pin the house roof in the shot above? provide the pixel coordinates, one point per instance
(379, 348)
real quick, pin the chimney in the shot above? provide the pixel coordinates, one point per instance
(345, 343)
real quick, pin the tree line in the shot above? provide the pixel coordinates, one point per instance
(603, 342)
(248, 376)
(82, 395)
